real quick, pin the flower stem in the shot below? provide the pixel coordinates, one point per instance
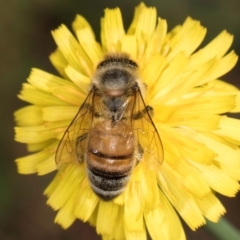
(223, 230)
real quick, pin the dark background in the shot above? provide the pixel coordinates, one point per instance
(26, 42)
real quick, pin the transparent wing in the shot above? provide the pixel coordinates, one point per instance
(73, 143)
(145, 130)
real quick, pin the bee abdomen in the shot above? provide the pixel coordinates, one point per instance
(107, 188)
(110, 166)
(110, 158)
(108, 175)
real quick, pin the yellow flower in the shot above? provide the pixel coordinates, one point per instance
(190, 102)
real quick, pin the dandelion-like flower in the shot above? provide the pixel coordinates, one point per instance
(190, 102)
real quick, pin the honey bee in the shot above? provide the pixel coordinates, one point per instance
(112, 129)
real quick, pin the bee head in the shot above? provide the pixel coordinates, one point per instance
(115, 75)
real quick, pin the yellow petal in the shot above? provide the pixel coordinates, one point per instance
(169, 77)
(51, 187)
(191, 78)
(229, 127)
(59, 113)
(129, 45)
(93, 218)
(192, 179)
(218, 180)
(72, 50)
(145, 180)
(112, 30)
(38, 97)
(149, 188)
(70, 95)
(46, 166)
(33, 147)
(237, 104)
(107, 218)
(138, 10)
(29, 116)
(142, 235)
(152, 71)
(87, 202)
(179, 196)
(80, 23)
(133, 209)
(28, 164)
(162, 220)
(225, 154)
(155, 43)
(41, 133)
(118, 232)
(79, 79)
(233, 172)
(185, 146)
(220, 85)
(65, 216)
(224, 65)
(154, 220)
(46, 81)
(211, 207)
(200, 104)
(143, 27)
(144, 23)
(67, 185)
(91, 47)
(216, 48)
(180, 43)
(59, 62)
(200, 122)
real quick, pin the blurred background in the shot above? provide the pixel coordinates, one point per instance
(26, 42)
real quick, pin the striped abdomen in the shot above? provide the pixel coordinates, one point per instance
(110, 158)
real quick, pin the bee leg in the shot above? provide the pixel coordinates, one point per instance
(139, 153)
(80, 146)
(150, 110)
(140, 114)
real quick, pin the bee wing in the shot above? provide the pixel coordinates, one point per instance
(145, 130)
(73, 143)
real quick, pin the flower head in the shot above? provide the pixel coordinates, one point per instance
(190, 102)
